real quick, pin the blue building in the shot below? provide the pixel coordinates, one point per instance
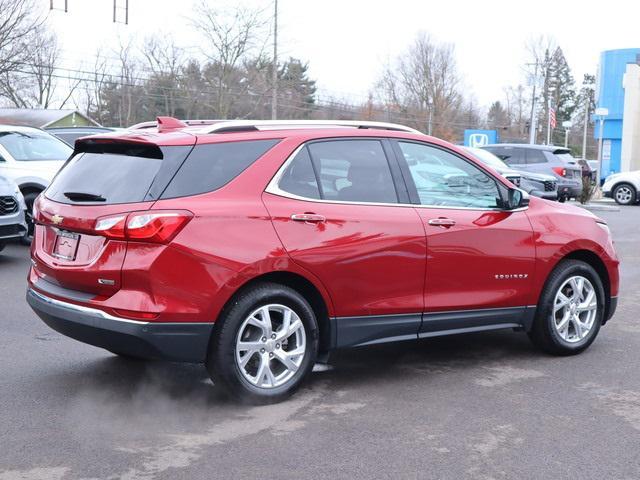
(610, 94)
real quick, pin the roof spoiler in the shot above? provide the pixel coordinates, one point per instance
(166, 124)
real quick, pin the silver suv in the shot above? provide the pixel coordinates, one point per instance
(30, 157)
(12, 208)
(536, 184)
(547, 159)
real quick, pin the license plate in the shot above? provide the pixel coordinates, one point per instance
(66, 245)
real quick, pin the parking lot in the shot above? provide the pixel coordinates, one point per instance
(479, 406)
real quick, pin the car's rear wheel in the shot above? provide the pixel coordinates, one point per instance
(264, 344)
(570, 310)
(29, 200)
(624, 194)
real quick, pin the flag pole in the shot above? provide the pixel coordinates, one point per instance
(549, 121)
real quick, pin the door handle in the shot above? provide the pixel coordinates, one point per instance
(442, 222)
(308, 217)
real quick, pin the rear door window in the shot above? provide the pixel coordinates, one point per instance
(299, 178)
(510, 155)
(353, 171)
(211, 166)
(535, 156)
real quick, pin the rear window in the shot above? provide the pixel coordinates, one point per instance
(212, 166)
(104, 178)
(126, 173)
(565, 157)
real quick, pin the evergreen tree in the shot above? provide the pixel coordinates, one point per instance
(497, 117)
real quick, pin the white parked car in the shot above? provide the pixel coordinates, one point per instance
(623, 187)
(30, 157)
(12, 208)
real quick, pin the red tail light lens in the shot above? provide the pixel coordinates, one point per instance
(159, 226)
(112, 226)
(560, 171)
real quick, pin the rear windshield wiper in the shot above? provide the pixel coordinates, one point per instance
(84, 197)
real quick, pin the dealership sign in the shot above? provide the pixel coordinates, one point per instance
(480, 138)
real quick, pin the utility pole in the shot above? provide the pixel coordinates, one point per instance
(274, 69)
(584, 130)
(532, 121)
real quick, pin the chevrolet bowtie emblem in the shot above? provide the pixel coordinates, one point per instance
(57, 219)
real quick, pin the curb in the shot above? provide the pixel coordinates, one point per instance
(599, 207)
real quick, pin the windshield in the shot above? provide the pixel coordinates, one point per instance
(488, 158)
(34, 146)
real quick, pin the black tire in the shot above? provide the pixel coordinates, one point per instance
(562, 199)
(544, 333)
(29, 199)
(630, 194)
(221, 359)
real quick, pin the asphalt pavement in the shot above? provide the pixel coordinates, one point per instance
(486, 406)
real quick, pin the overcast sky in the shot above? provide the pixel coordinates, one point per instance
(346, 42)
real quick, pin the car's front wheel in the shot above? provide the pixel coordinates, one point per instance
(624, 194)
(264, 344)
(570, 310)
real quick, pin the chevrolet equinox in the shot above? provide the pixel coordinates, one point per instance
(257, 247)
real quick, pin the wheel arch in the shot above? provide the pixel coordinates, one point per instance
(30, 187)
(304, 287)
(599, 266)
(626, 181)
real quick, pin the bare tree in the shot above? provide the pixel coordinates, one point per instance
(230, 37)
(32, 82)
(165, 61)
(425, 81)
(17, 21)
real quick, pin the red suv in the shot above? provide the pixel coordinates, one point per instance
(258, 247)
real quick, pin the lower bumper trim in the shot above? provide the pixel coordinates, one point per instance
(182, 342)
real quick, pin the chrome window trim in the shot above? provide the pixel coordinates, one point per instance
(274, 189)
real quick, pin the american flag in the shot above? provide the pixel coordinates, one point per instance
(552, 117)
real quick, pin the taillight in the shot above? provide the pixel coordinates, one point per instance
(159, 226)
(560, 171)
(112, 226)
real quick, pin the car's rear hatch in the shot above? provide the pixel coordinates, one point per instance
(104, 178)
(572, 169)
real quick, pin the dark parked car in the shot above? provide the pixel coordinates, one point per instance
(547, 159)
(70, 134)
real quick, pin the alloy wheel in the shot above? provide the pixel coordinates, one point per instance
(575, 309)
(270, 346)
(623, 194)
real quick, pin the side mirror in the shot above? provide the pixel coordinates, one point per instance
(517, 199)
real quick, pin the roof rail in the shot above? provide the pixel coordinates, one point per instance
(188, 123)
(252, 125)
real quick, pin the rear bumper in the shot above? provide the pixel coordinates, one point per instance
(570, 190)
(182, 342)
(12, 226)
